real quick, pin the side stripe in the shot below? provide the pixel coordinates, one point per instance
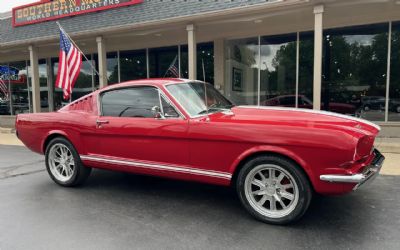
(179, 169)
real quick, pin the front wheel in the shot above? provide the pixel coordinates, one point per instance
(63, 163)
(274, 189)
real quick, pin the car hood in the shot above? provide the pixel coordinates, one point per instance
(302, 118)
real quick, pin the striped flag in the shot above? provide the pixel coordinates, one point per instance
(69, 66)
(173, 68)
(3, 91)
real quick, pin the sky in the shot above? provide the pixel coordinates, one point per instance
(7, 5)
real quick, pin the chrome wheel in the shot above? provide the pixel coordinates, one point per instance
(61, 162)
(271, 190)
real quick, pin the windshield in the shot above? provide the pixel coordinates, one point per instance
(192, 98)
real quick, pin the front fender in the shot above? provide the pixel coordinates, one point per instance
(277, 150)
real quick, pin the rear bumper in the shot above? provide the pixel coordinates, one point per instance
(367, 176)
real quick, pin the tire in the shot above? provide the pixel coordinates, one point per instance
(367, 108)
(293, 190)
(63, 169)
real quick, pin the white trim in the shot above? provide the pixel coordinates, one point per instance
(172, 168)
(315, 112)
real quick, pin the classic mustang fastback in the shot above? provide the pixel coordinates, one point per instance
(275, 158)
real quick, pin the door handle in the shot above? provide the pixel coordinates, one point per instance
(101, 122)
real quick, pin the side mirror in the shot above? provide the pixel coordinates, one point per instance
(157, 112)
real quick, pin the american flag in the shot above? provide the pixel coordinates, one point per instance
(173, 68)
(69, 66)
(3, 89)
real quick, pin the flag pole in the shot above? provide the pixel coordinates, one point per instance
(72, 41)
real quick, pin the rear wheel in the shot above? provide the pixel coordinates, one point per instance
(273, 189)
(64, 164)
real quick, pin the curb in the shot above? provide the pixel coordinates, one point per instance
(7, 131)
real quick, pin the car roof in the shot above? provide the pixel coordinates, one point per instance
(150, 81)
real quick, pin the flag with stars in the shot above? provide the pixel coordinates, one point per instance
(69, 66)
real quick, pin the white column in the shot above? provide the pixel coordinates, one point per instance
(219, 64)
(192, 47)
(101, 51)
(35, 78)
(318, 40)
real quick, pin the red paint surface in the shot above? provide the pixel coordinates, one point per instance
(318, 143)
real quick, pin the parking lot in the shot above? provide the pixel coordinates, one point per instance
(123, 211)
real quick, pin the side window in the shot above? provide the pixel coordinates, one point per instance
(169, 111)
(130, 102)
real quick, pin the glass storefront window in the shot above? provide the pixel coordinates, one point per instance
(160, 60)
(44, 91)
(278, 70)
(57, 93)
(132, 65)
(85, 83)
(354, 71)
(184, 61)
(205, 54)
(394, 90)
(241, 63)
(15, 97)
(112, 68)
(306, 69)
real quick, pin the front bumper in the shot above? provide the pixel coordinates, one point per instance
(369, 173)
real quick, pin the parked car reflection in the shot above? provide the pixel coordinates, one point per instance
(304, 102)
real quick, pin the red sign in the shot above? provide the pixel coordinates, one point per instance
(46, 10)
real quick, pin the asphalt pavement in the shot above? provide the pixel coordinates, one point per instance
(124, 211)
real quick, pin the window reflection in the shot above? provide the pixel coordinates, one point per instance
(44, 91)
(132, 65)
(14, 96)
(306, 69)
(205, 55)
(112, 68)
(394, 93)
(85, 82)
(354, 71)
(278, 70)
(161, 59)
(241, 84)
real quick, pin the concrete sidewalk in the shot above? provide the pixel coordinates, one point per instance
(390, 147)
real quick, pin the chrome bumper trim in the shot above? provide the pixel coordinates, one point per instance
(368, 175)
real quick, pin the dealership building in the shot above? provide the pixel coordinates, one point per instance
(336, 55)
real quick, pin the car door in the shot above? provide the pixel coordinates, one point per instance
(129, 130)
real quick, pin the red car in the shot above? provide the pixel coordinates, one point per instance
(276, 158)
